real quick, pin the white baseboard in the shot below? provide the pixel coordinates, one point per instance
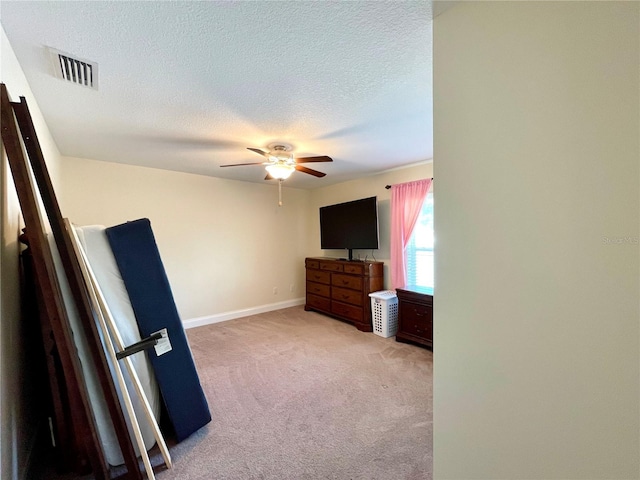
(223, 317)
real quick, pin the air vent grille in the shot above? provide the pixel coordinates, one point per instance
(75, 70)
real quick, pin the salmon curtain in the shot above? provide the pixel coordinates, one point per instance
(406, 203)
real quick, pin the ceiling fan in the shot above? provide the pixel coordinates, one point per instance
(281, 164)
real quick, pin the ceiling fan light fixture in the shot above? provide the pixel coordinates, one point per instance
(280, 163)
(280, 171)
(280, 155)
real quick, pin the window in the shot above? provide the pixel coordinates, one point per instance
(420, 248)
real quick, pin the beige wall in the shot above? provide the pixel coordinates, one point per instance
(17, 416)
(537, 267)
(370, 186)
(225, 244)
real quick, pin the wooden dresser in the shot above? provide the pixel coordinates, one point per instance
(415, 315)
(341, 289)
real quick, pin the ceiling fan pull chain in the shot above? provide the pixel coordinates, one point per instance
(280, 192)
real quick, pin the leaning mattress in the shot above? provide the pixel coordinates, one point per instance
(136, 253)
(96, 247)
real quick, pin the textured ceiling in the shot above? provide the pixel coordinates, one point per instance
(188, 86)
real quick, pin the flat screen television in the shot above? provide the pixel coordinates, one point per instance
(350, 225)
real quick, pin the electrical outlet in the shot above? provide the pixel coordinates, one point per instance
(275, 290)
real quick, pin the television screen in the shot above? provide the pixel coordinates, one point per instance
(350, 225)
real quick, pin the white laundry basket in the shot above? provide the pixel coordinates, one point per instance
(384, 313)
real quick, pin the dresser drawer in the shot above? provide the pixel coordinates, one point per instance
(347, 296)
(312, 263)
(346, 281)
(319, 289)
(416, 319)
(355, 268)
(414, 312)
(423, 330)
(347, 311)
(321, 303)
(318, 276)
(331, 266)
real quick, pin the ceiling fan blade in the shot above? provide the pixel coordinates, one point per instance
(242, 164)
(315, 173)
(322, 158)
(259, 152)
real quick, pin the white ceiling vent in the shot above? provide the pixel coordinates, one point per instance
(75, 70)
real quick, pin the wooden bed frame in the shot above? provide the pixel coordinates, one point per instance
(81, 436)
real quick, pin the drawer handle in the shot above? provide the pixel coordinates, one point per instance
(418, 313)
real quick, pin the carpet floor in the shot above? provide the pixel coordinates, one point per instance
(296, 395)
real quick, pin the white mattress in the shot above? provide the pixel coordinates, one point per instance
(103, 264)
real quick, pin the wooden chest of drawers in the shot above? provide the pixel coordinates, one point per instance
(341, 289)
(415, 315)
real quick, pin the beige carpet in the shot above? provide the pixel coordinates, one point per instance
(296, 395)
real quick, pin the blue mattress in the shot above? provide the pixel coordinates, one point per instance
(136, 253)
